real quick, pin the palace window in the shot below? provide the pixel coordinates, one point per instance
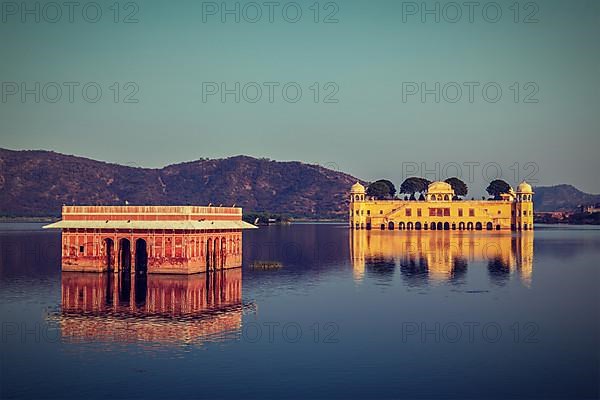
(418, 212)
(368, 212)
(471, 212)
(499, 212)
(446, 212)
(81, 249)
(408, 212)
(460, 212)
(380, 211)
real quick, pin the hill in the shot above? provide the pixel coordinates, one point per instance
(38, 183)
(561, 198)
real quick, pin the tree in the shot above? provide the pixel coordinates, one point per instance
(414, 185)
(460, 188)
(390, 185)
(497, 187)
(380, 190)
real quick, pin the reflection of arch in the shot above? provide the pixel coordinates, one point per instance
(391, 225)
(418, 226)
(124, 254)
(489, 226)
(478, 226)
(409, 226)
(401, 225)
(439, 226)
(109, 252)
(461, 226)
(469, 226)
(446, 226)
(141, 256)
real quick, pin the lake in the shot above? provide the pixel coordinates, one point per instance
(316, 311)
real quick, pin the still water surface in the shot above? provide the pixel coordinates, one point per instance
(374, 314)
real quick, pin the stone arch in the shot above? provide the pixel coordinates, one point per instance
(409, 226)
(497, 227)
(433, 226)
(401, 226)
(141, 256)
(461, 226)
(453, 226)
(382, 227)
(391, 225)
(109, 253)
(446, 197)
(124, 255)
(439, 226)
(417, 226)
(478, 226)
(489, 226)
(446, 226)
(469, 226)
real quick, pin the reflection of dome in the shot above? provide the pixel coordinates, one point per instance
(439, 187)
(357, 188)
(524, 187)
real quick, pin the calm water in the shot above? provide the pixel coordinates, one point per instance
(377, 315)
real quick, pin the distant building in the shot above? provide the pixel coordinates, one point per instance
(440, 212)
(590, 209)
(152, 239)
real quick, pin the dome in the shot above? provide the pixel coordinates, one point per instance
(524, 187)
(439, 187)
(357, 188)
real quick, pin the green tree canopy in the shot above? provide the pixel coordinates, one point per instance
(381, 189)
(460, 188)
(497, 187)
(414, 185)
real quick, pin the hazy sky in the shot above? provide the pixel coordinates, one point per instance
(375, 61)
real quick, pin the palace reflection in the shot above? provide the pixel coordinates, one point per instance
(153, 307)
(441, 256)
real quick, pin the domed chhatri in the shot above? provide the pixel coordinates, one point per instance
(441, 210)
(524, 187)
(357, 188)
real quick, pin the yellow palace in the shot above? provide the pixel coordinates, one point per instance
(514, 211)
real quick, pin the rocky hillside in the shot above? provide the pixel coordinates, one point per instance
(561, 198)
(37, 183)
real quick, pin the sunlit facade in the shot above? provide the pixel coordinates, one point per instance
(440, 210)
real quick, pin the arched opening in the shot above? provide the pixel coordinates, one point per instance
(439, 226)
(524, 227)
(382, 227)
(215, 254)
(453, 227)
(497, 227)
(446, 197)
(418, 226)
(409, 226)
(478, 226)
(489, 226)
(425, 226)
(461, 226)
(223, 253)
(208, 252)
(433, 226)
(124, 255)
(469, 226)
(446, 226)
(109, 249)
(401, 226)
(391, 225)
(141, 256)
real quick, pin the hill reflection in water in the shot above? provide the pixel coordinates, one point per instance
(156, 308)
(423, 257)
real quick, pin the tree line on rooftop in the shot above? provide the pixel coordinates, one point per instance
(414, 187)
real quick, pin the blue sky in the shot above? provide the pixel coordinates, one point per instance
(546, 65)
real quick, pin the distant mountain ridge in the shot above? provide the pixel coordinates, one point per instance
(38, 183)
